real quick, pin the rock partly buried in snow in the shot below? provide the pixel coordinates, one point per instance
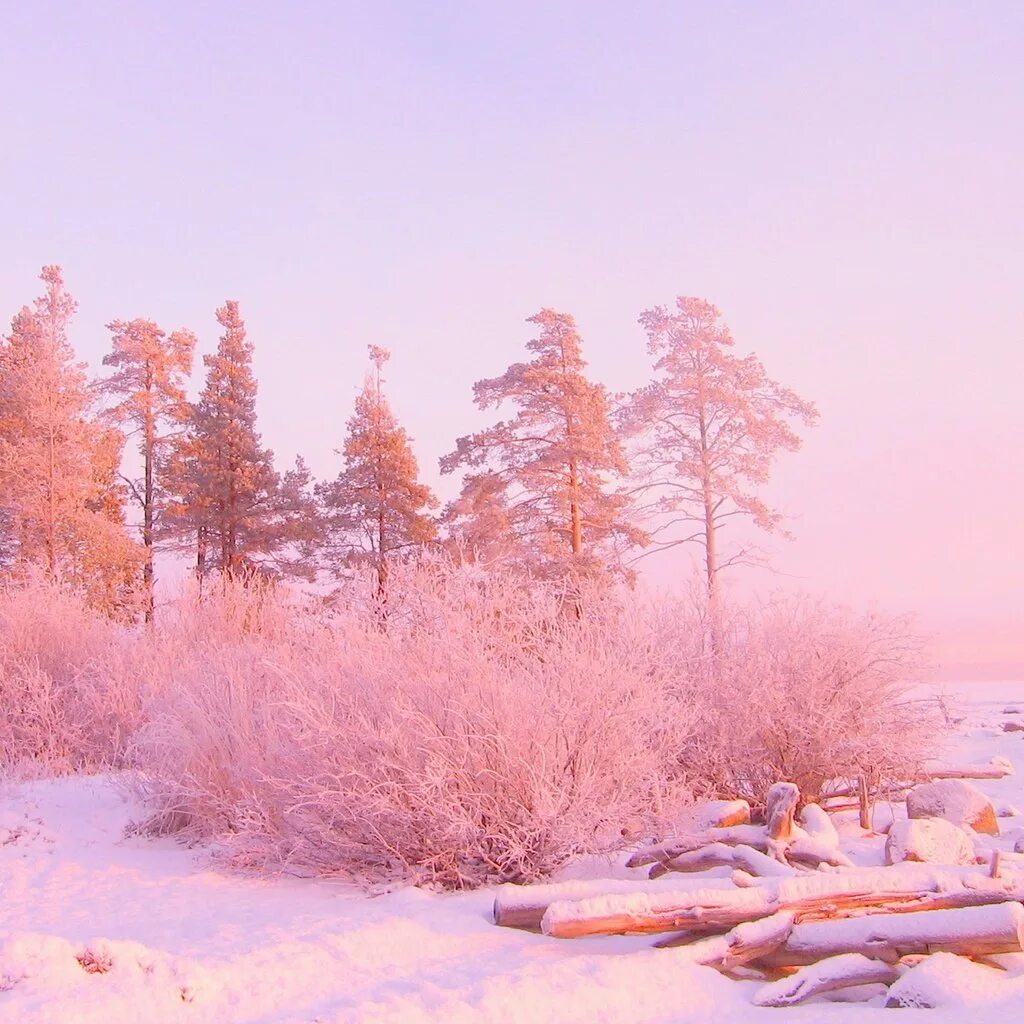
(1013, 726)
(1011, 711)
(944, 979)
(955, 800)
(721, 814)
(928, 840)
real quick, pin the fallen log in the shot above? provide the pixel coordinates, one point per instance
(736, 835)
(644, 913)
(718, 854)
(523, 906)
(903, 890)
(997, 768)
(754, 940)
(969, 931)
(843, 971)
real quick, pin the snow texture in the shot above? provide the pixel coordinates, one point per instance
(929, 840)
(955, 800)
(99, 926)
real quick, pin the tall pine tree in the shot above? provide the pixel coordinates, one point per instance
(59, 491)
(150, 372)
(542, 480)
(376, 509)
(227, 493)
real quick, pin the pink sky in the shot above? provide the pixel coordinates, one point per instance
(844, 181)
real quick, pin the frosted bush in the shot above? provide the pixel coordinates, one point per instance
(486, 732)
(811, 693)
(69, 694)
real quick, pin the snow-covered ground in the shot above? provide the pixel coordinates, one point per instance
(165, 936)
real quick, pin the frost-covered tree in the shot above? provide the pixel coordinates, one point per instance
(541, 480)
(226, 491)
(59, 492)
(150, 372)
(706, 432)
(376, 509)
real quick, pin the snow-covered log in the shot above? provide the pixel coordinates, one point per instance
(836, 972)
(903, 890)
(644, 913)
(997, 768)
(745, 858)
(523, 906)
(736, 835)
(970, 931)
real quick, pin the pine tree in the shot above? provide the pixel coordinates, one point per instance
(543, 478)
(58, 464)
(227, 493)
(375, 509)
(151, 370)
(707, 430)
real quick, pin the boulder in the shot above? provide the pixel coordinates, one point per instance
(929, 841)
(1013, 726)
(955, 800)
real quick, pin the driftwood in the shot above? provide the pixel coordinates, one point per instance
(718, 854)
(780, 809)
(834, 929)
(997, 768)
(818, 896)
(969, 931)
(736, 835)
(828, 975)
(523, 906)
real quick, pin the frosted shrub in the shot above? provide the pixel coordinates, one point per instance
(69, 696)
(809, 692)
(487, 732)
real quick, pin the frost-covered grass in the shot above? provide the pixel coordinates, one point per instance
(99, 928)
(484, 730)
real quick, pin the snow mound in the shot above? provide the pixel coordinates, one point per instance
(945, 979)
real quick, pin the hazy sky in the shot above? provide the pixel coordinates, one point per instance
(844, 180)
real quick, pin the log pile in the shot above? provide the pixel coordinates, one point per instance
(794, 912)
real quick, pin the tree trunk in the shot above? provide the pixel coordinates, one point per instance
(864, 803)
(147, 517)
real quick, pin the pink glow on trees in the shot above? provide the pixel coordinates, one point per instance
(542, 478)
(58, 486)
(376, 508)
(151, 369)
(227, 493)
(706, 431)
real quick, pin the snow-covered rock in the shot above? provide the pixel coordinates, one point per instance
(955, 800)
(944, 979)
(928, 840)
(721, 814)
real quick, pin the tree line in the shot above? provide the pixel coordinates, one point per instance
(572, 482)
